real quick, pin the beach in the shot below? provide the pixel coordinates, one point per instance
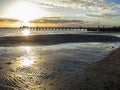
(59, 62)
(59, 44)
(101, 75)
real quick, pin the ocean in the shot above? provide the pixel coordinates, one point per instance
(18, 32)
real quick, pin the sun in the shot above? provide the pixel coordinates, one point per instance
(26, 23)
(24, 11)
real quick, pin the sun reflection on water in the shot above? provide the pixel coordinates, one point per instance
(27, 60)
(26, 32)
(28, 49)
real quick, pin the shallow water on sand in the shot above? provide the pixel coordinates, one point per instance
(32, 67)
(18, 32)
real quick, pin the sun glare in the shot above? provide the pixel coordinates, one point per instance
(24, 11)
(27, 60)
(26, 32)
(27, 49)
(26, 23)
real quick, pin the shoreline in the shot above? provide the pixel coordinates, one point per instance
(109, 64)
(101, 75)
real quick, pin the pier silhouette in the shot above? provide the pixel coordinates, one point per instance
(84, 29)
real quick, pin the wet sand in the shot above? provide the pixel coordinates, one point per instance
(101, 75)
(55, 39)
(46, 75)
(18, 71)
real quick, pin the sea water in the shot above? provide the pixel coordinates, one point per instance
(18, 32)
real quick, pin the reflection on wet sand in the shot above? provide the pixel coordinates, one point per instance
(27, 49)
(43, 67)
(27, 60)
(23, 74)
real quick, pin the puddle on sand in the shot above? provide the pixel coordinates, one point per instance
(28, 67)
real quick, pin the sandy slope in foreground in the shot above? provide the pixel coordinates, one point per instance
(102, 75)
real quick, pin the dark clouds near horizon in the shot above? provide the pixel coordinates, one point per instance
(56, 21)
(9, 20)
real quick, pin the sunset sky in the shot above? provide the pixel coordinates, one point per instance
(14, 13)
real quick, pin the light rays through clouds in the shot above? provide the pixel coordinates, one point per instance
(75, 11)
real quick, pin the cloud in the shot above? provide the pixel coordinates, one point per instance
(83, 4)
(55, 20)
(8, 20)
(47, 6)
(103, 15)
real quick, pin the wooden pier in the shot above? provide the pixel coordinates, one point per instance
(84, 29)
(54, 28)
